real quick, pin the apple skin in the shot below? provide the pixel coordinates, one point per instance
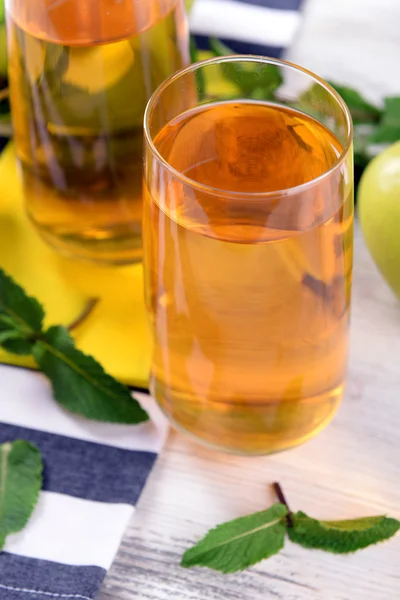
(379, 212)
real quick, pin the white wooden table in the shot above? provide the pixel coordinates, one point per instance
(352, 469)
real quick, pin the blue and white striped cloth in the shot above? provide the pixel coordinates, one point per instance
(265, 27)
(93, 476)
(94, 473)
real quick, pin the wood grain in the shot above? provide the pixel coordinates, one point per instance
(353, 467)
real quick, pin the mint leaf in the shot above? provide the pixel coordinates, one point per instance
(361, 110)
(80, 383)
(388, 130)
(21, 317)
(219, 48)
(15, 338)
(238, 544)
(341, 537)
(270, 79)
(200, 78)
(15, 341)
(20, 482)
(258, 81)
(232, 71)
(17, 308)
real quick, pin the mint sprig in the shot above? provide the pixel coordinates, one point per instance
(20, 482)
(238, 544)
(79, 382)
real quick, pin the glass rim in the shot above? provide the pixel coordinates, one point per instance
(250, 58)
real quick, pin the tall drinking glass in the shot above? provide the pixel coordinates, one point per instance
(248, 238)
(81, 73)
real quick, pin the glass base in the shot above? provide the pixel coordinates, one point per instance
(121, 247)
(249, 430)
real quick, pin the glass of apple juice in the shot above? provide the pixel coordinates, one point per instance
(248, 240)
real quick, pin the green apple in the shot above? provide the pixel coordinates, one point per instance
(379, 212)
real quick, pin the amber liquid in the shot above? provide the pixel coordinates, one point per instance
(81, 72)
(248, 297)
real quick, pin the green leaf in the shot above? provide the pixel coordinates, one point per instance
(20, 482)
(80, 383)
(361, 110)
(13, 338)
(388, 130)
(257, 81)
(341, 537)
(25, 312)
(232, 71)
(386, 134)
(238, 544)
(270, 79)
(15, 342)
(2, 15)
(200, 79)
(8, 334)
(219, 48)
(193, 50)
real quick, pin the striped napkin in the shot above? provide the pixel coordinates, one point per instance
(93, 476)
(94, 473)
(265, 27)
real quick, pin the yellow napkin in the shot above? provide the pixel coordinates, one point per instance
(116, 332)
